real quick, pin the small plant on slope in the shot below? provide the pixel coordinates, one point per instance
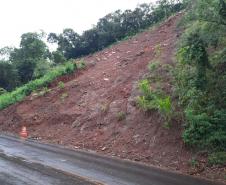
(153, 100)
(61, 85)
(153, 65)
(121, 116)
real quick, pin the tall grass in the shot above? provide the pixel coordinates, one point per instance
(20, 93)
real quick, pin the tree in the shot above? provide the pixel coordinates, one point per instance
(90, 40)
(5, 53)
(25, 58)
(69, 42)
(222, 11)
(112, 27)
(213, 11)
(42, 67)
(58, 57)
(9, 76)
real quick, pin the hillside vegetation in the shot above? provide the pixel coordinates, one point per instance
(201, 76)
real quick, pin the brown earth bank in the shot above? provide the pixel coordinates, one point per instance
(96, 109)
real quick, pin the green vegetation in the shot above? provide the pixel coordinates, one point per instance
(194, 163)
(19, 94)
(8, 76)
(153, 65)
(200, 79)
(20, 65)
(200, 76)
(155, 100)
(218, 158)
(31, 52)
(61, 85)
(2, 91)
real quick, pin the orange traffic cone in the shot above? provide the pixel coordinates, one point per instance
(23, 133)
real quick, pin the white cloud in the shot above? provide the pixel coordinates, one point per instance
(21, 16)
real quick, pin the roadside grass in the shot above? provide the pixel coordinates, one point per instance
(20, 93)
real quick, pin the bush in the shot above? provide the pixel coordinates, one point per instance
(61, 85)
(165, 108)
(218, 158)
(154, 100)
(148, 100)
(153, 65)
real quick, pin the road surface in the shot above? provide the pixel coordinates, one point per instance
(32, 163)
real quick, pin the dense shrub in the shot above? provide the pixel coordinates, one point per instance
(218, 158)
(200, 76)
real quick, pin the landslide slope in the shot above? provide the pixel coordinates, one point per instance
(96, 109)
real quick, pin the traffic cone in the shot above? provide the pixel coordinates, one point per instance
(23, 133)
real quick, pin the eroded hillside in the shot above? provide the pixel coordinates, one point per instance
(96, 109)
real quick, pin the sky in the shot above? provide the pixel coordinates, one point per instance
(21, 16)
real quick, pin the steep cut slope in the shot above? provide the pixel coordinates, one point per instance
(96, 109)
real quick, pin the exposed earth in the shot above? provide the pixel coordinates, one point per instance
(96, 110)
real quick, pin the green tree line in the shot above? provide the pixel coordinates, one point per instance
(113, 27)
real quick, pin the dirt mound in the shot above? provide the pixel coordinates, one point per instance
(96, 110)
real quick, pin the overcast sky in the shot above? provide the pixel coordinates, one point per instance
(21, 16)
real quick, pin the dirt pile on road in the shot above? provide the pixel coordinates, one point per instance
(96, 109)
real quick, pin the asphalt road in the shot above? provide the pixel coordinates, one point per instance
(32, 163)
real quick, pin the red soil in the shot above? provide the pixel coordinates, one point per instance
(87, 112)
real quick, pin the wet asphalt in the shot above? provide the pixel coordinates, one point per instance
(33, 163)
(16, 171)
